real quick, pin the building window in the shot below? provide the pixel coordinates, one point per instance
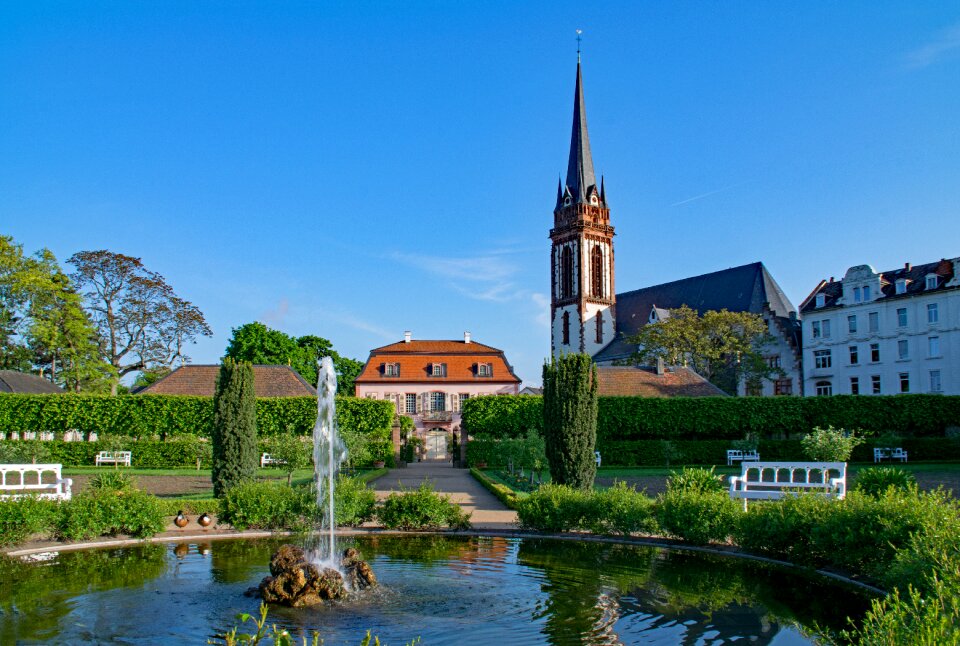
(875, 384)
(411, 404)
(438, 402)
(856, 294)
(933, 346)
(566, 328)
(599, 327)
(463, 398)
(902, 316)
(825, 324)
(821, 300)
(933, 313)
(815, 326)
(596, 272)
(484, 369)
(821, 358)
(903, 349)
(391, 370)
(904, 382)
(824, 389)
(866, 293)
(931, 282)
(934, 381)
(566, 273)
(854, 385)
(852, 324)
(774, 362)
(438, 370)
(875, 352)
(873, 321)
(783, 387)
(854, 355)
(901, 286)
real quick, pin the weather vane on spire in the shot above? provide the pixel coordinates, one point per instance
(579, 38)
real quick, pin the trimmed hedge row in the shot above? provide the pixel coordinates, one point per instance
(678, 418)
(164, 415)
(651, 453)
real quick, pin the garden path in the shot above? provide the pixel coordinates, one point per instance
(487, 512)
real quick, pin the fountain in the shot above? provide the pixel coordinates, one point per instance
(305, 578)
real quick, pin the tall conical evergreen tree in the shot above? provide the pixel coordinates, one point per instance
(234, 426)
(570, 419)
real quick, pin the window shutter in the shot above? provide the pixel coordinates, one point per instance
(425, 402)
(455, 402)
(489, 369)
(443, 370)
(419, 403)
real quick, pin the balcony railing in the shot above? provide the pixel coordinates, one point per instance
(438, 416)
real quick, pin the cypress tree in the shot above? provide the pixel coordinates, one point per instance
(234, 436)
(570, 419)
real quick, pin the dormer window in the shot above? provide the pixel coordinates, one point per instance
(821, 300)
(484, 369)
(866, 293)
(856, 295)
(932, 281)
(901, 286)
(391, 370)
(438, 370)
(566, 201)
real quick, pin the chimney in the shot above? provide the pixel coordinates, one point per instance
(406, 336)
(661, 367)
(466, 337)
(831, 279)
(907, 266)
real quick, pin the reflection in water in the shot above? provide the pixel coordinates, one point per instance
(479, 590)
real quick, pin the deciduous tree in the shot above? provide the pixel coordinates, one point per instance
(141, 323)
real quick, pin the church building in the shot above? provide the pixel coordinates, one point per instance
(588, 316)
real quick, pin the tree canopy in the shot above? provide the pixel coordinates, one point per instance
(259, 344)
(722, 346)
(140, 322)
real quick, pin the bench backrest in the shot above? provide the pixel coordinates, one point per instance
(793, 473)
(115, 454)
(13, 476)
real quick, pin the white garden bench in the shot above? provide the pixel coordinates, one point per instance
(20, 480)
(267, 459)
(113, 457)
(889, 454)
(736, 455)
(775, 480)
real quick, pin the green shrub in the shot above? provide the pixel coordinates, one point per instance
(353, 502)
(830, 444)
(23, 517)
(24, 452)
(112, 481)
(876, 480)
(267, 505)
(619, 510)
(109, 512)
(695, 479)
(193, 506)
(784, 529)
(504, 494)
(697, 516)
(234, 436)
(570, 419)
(421, 508)
(932, 550)
(292, 451)
(552, 508)
(931, 619)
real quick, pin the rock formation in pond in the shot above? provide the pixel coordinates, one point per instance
(299, 583)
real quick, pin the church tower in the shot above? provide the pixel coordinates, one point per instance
(582, 303)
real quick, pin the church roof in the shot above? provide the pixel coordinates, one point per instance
(12, 381)
(632, 381)
(580, 175)
(747, 288)
(201, 380)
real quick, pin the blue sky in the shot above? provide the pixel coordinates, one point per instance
(358, 169)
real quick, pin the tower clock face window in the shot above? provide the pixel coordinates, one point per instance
(596, 272)
(566, 273)
(594, 200)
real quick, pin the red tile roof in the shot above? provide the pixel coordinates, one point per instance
(631, 381)
(268, 381)
(416, 359)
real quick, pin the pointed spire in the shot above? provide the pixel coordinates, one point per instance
(580, 176)
(603, 192)
(559, 191)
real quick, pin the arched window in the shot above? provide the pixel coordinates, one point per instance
(566, 328)
(824, 388)
(596, 272)
(566, 273)
(599, 327)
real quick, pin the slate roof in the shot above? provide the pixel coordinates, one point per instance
(201, 380)
(739, 289)
(416, 359)
(916, 276)
(632, 381)
(12, 381)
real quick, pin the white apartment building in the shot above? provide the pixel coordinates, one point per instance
(884, 333)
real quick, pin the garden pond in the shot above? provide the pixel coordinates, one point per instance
(442, 589)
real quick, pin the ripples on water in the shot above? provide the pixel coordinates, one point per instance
(487, 591)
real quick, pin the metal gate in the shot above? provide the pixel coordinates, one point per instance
(436, 445)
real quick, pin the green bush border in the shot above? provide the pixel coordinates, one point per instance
(503, 493)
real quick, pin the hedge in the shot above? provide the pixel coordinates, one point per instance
(728, 418)
(165, 415)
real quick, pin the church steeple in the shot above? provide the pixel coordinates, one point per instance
(580, 176)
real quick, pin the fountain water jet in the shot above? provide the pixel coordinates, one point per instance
(329, 452)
